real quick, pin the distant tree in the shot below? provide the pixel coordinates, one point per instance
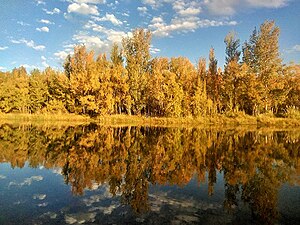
(38, 91)
(18, 90)
(116, 55)
(201, 69)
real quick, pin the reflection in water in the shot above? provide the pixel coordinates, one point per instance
(254, 164)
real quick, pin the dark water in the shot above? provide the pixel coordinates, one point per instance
(140, 175)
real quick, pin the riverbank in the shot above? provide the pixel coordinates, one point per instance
(44, 119)
(239, 119)
(218, 120)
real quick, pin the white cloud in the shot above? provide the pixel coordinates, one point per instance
(29, 44)
(186, 8)
(108, 17)
(23, 23)
(44, 61)
(294, 49)
(43, 204)
(83, 8)
(54, 11)
(45, 21)
(222, 7)
(3, 48)
(268, 3)
(80, 218)
(157, 20)
(91, 42)
(91, 1)
(189, 24)
(142, 10)
(100, 43)
(62, 55)
(39, 2)
(27, 181)
(110, 35)
(230, 7)
(49, 214)
(39, 196)
(216, 7)
(154, 50)
(2, 68)
(155, 3)
(190, 11)
(27, 67)
(43, 29)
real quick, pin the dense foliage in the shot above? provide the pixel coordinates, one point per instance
(254, 80)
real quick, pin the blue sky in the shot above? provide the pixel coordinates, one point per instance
(40, 33)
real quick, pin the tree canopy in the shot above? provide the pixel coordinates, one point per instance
(131, 82)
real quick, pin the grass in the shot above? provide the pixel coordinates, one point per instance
(238, 119)
(44, 119)
(232, 119)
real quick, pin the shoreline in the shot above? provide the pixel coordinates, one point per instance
(126, 120)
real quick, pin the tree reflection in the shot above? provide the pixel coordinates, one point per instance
(254, 163)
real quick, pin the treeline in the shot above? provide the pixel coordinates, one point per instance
(254, 81)
(131, 159)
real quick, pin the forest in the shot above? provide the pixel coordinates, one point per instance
(131, 82)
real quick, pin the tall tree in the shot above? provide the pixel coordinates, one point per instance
(80, 68)
(20, 90)
(231, 72)
(119, 79)
(38, 91)
(261, 53)
(137, 54)
(186, 76)
(213, 78)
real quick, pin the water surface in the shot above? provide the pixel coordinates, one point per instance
(92, 174)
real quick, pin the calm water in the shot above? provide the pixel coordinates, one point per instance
(140, 175)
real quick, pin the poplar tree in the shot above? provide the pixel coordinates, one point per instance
(80, 69)
(137, 54)
(213, 78)
(186, 76)
(38, 91)
(119, 80)
(261, 53)
(231, 73)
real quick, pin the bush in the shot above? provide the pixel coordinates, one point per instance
(292, 112)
